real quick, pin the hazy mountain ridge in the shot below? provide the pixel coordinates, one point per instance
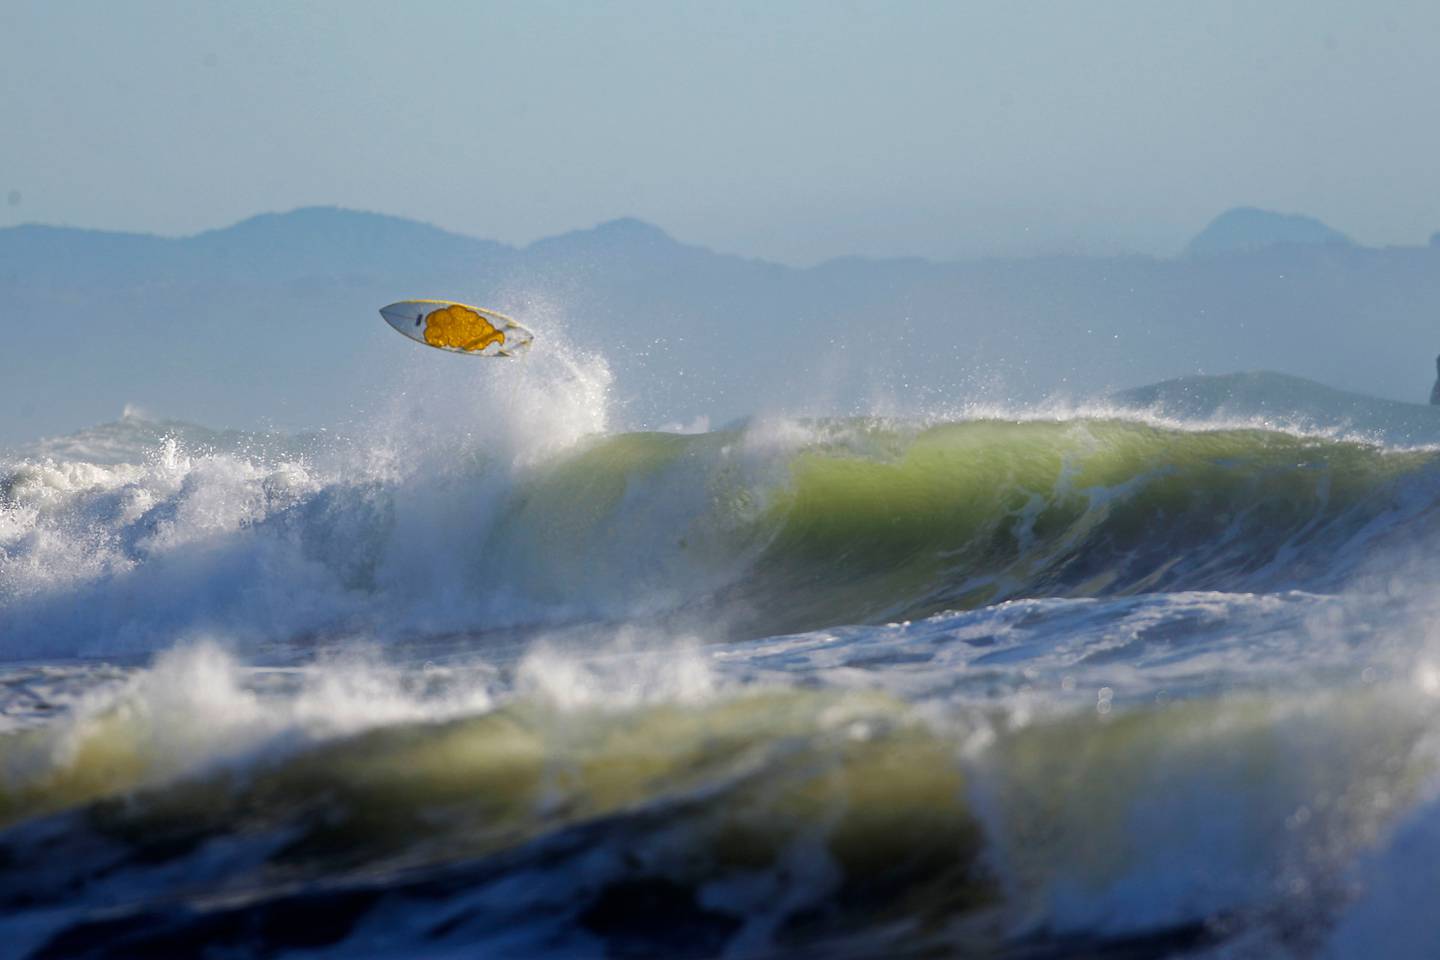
(1247, 229)
(272, 321)
(326, 241)
(289, 243)
(1282, 400)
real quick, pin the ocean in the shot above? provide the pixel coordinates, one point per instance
(487, 672)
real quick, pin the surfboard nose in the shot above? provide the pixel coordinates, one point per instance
(403, 316)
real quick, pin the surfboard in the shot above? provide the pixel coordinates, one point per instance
(458, 327)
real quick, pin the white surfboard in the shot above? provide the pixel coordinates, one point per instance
(458, 327)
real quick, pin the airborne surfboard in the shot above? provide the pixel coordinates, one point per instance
(459, 327)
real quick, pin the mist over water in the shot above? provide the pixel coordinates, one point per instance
(481, 669)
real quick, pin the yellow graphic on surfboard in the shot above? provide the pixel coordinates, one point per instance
(460, 327)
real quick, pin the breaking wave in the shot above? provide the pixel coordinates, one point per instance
(769, 527)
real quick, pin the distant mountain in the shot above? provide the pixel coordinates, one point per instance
(1281, 400)
(309, 242)
(1246, 229)
(326, 240)
(272, 322)
(625, 237)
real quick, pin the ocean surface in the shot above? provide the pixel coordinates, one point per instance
(485, 673)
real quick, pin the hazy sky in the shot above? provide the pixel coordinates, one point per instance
(795, 131)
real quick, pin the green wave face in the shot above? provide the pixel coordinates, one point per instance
(834, 815)
(685, 795)
(876, 524)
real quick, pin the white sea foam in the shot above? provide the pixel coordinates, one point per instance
(198, 707)
(171, 535)
(631, 669)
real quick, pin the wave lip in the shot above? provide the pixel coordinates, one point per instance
(1276, 400)
(966, 514)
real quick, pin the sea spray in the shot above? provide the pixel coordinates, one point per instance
(197, 709)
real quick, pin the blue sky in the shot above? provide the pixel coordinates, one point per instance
(795, 131)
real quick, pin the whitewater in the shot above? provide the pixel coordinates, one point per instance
(485, 673)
